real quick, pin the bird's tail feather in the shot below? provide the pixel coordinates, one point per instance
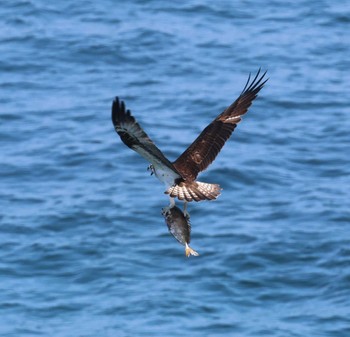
(194, 191)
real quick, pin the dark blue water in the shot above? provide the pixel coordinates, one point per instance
(84, 248)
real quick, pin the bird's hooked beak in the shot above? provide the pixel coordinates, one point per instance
(150, 168)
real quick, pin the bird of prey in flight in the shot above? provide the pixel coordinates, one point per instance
(180, 176)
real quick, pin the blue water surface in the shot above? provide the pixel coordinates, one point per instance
(84, 249)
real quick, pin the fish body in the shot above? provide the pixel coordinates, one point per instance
(179, 226)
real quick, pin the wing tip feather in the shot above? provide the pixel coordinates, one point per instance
(256, 84)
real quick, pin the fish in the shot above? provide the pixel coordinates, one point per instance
(179, 226)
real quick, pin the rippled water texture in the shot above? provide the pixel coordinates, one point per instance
(84, 248)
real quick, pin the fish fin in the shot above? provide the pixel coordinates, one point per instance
(189, 251)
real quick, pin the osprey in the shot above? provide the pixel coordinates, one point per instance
(180, 176)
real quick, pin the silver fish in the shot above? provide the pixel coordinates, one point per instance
(179, 226)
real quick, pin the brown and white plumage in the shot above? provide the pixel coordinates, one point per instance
(180, 176)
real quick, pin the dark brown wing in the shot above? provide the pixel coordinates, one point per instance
(201, 153)
(133, 136)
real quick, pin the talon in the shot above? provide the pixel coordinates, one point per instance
(150, 168)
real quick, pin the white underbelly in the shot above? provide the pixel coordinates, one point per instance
(166, 176)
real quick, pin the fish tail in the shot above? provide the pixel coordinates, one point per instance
(189, 251)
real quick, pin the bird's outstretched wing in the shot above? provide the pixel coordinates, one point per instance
(134, 137)
(201, 153)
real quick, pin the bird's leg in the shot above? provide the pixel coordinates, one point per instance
(186, 214)
(172, 202)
